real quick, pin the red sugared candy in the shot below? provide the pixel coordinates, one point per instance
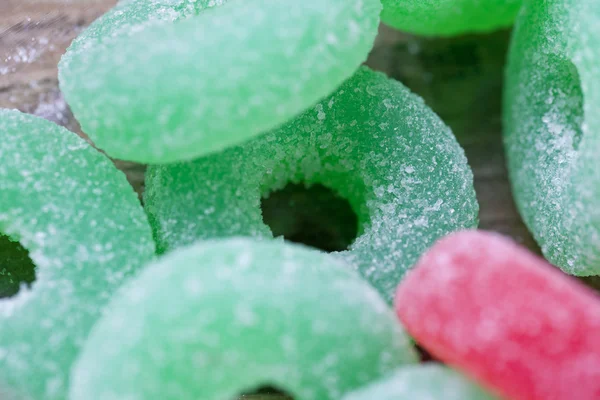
(504, 316)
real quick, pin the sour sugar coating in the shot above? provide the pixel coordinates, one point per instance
(85, 232)
(552, 129)
(488, 307)
(155, 91)
(372, 142)
(449, 17)
(429, 381)
(222, 318)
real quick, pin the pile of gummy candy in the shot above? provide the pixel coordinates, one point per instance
(230, 100)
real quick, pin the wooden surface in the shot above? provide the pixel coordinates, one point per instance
(460, 78)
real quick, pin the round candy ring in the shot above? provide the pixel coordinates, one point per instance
(423, 381)
(202, 80)
(85, 231)
(449, 17)
(552, 129)
(373, 142)
(221, 318)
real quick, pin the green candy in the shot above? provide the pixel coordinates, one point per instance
(552, 129)
(221, 318)
(150, 91)
(449, 17)
(85, 232)
(373, 142)
(422, 382)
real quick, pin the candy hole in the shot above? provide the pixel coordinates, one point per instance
(424, 355)
(564, 100)
(266, 392)
(312, 215)
(16, 267)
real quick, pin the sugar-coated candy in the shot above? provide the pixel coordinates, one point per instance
(373, 142)
(85, 231)
(221, 318)
(161, 92)
(484, 305)
(449, 17)
(551, 121)
(429, 381)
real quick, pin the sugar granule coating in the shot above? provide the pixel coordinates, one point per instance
(551, 129)
(449, 17)
(85, 231)
(164, 92)
(373, 142)
(504, 316)
(421, 382)
(220, 318)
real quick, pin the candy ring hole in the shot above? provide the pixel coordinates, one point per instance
(16, 267)
(266, 392)
(424, 355)
(312, 215)
(564, 102)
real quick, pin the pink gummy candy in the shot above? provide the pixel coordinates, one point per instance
(483, 304)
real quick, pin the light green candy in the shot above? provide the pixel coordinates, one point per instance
(372, 142)
(421, 382)
(552, 129)
(150, 91)
(449, 17)
(220, 318)
(85, 232)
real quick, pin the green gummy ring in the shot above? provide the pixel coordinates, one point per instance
(449, 17)
(552, 129)
(85, 231)
(156, 92)
(424, 381)
(220, 318)
(372, 142)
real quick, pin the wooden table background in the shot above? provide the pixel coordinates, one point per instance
(460, 78)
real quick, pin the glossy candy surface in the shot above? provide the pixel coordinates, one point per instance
(372, 142)
(552, 129)
(429, 381)
(220, 318)
(488, 307)
(449, 17)
(85, 231)
(150, 90)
